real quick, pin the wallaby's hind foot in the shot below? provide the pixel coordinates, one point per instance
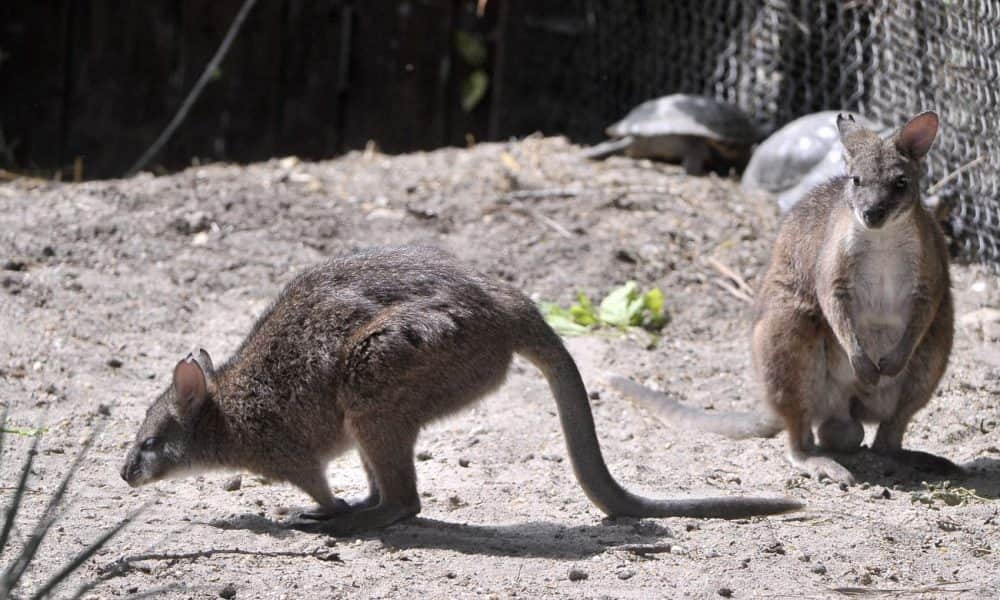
(804, 456)
(377, 517)
(819, 467)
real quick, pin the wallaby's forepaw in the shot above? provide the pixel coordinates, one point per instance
(321, 513)
(865, 370)
(892, 364)
(342, 507)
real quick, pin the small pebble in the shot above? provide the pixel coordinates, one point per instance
(463, 462)
(233, 483)
(819, 570)
(594, 395)
(450, 575)
(725, 592)
(424, 455)
(775, 548)
(627, 256)
(881, 494)
(228, 592)
(628, 574)
(115, 363)
(104, 410)
(195, 222)
(577, 575)
(13, 264)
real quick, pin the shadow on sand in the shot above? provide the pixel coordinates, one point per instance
(909, 471)
(534, 539)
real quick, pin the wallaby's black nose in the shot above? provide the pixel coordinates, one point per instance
(875, 216)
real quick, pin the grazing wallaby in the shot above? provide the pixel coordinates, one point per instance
(854, 317)
(364, 351)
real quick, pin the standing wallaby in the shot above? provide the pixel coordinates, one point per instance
(365, 351)
(854, 317)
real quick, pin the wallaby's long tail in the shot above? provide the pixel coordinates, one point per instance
(548, 353)
(606, 149)
(735, 425)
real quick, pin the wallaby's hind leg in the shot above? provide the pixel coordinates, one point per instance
(916, 387)
(917, 381)
(386, 445)
(788, 358)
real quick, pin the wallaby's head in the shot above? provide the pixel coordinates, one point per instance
(166, 440)
(884, 174)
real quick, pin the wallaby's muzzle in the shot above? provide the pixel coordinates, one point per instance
(132, 469)
(874, 216)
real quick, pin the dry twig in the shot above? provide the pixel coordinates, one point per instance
(941, 182)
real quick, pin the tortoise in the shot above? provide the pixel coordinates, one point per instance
(699, 132)
(798, 157)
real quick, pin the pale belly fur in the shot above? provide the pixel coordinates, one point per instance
(883, 283)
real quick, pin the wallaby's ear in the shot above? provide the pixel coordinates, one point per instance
(204, 361)
(851, 132)
(845, 123)
(190, 386)
(916, 137)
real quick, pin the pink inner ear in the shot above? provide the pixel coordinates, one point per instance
(189, 382)
(918, 135)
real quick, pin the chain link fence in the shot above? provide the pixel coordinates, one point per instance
(779, 59)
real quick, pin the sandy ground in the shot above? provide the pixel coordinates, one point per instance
(106, 285)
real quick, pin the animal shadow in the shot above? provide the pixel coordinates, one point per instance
(909, 470)
(534, 539)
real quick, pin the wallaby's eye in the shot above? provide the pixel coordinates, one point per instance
(856, 180)
(149, 444)
(901, 182)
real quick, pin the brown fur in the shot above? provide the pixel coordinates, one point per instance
(364, 351)
(854, 318)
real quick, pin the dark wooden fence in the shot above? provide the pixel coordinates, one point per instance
(93, 82)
